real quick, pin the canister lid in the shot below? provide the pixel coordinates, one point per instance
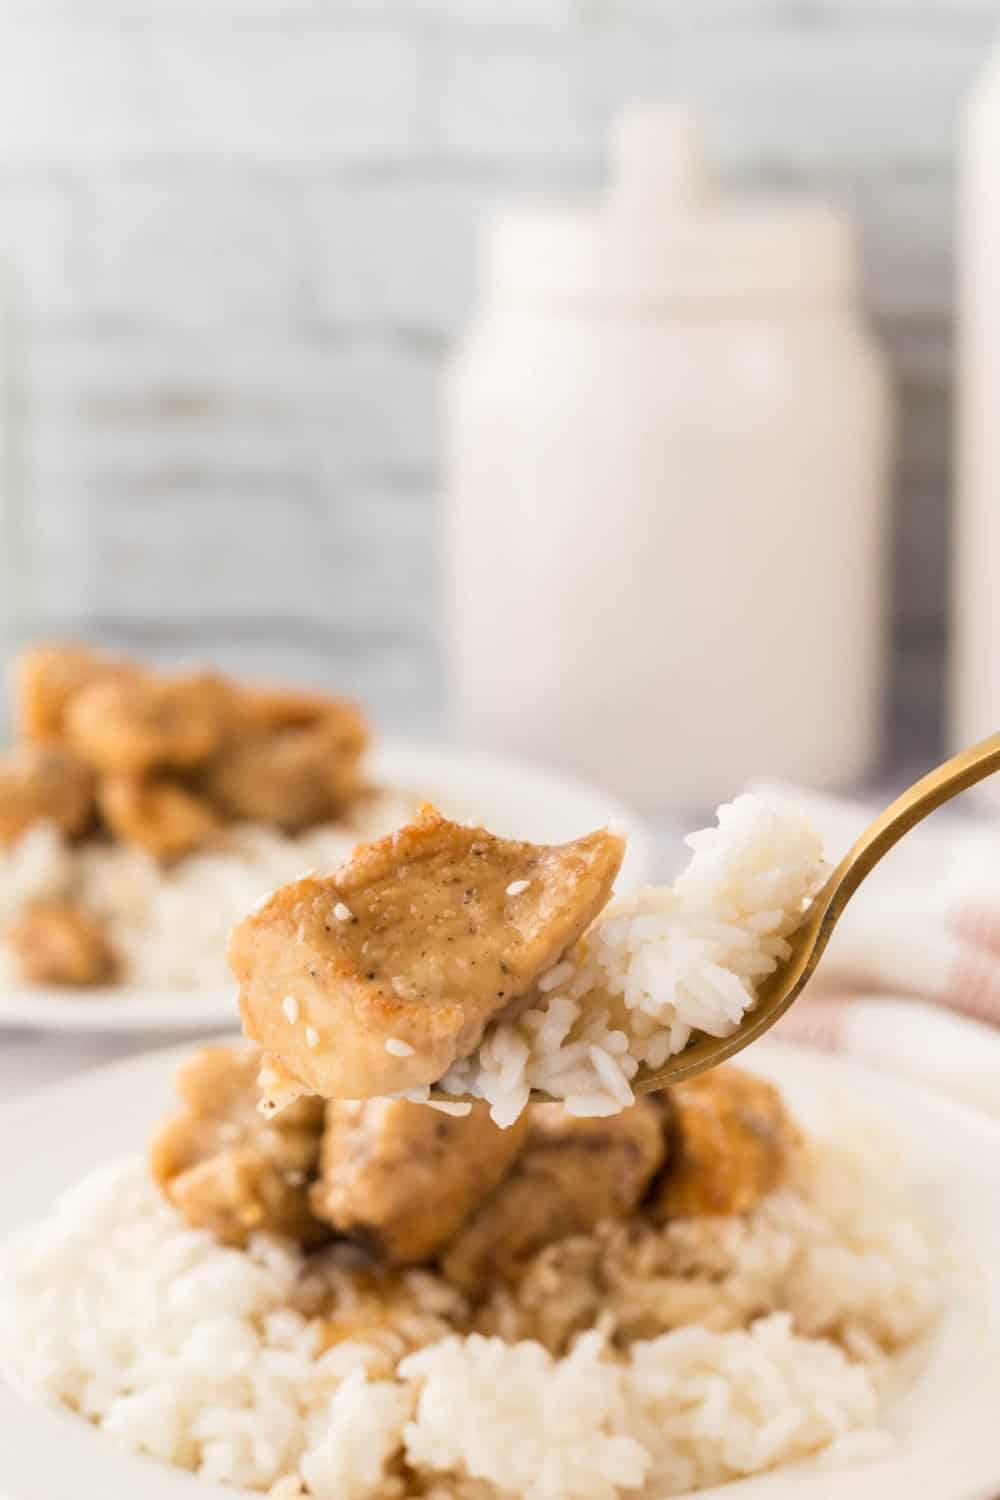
(664, 232)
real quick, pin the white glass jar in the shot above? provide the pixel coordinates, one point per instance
(976, 583)
(667, 436)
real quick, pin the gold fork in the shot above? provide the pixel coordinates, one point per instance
(807, 942)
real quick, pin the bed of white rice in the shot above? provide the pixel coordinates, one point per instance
(781, 1338)
(169, 925)
(654, 968)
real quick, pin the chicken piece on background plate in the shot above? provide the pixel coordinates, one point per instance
(57, 944)
(225, 1168)
(131, 725)
(160, 816)
(261, 708)
(572, 1174)
(293, 775)
(47, 677)
(375, 980)
(733, 1141)
(44, 783)
(401, 1179)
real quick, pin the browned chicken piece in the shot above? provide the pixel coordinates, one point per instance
(572, 1174)
(157, 815)
(59, 944)
(393, 967)
(43, 783)
(227, 1170)
(133, 725)
(263, 708)
(47, 677)
(292, 777)
(732, 1141)
(401, 1179)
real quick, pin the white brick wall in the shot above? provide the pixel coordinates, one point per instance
(237, 235)
(305, 86)
(153, 241)
(398, 251)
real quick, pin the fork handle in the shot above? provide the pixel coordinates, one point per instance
(910, 808)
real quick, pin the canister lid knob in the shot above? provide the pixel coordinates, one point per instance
(658, 158)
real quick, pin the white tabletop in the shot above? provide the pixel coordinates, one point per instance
(29, 1059)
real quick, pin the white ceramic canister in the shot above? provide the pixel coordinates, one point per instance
(976, 581)
(666, 451)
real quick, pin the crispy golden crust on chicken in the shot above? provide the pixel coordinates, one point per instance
(216, 749)
(58, 944)
(47, 677)
(262, 708)
(43, 783)
(227, 1170)
(293, 776)
(152, 813)
(572, 1174)
(132, 725)
(395, 965)
(402, 1178)
(732, 1140)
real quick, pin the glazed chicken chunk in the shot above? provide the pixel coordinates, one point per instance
(264, 708)
(224, 1167)
(133, 724)
(374, 980)
(58, 944)
(401, 1179)
(155, 814)
(41, 783)
(170, 760)
(48, 677)
(293, 775)
(733, 1142)
(572, 1174)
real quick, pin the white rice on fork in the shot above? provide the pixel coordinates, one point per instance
(654, 969)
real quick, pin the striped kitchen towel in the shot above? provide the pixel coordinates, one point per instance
(911, 979)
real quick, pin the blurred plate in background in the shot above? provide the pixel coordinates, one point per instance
(509, 796)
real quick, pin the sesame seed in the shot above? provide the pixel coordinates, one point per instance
(517, 886)
(398, 1047)
(342, 913)
(312, 1037)
(291, 1008)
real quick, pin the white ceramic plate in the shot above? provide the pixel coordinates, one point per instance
(509, 796)
(945, 1425)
